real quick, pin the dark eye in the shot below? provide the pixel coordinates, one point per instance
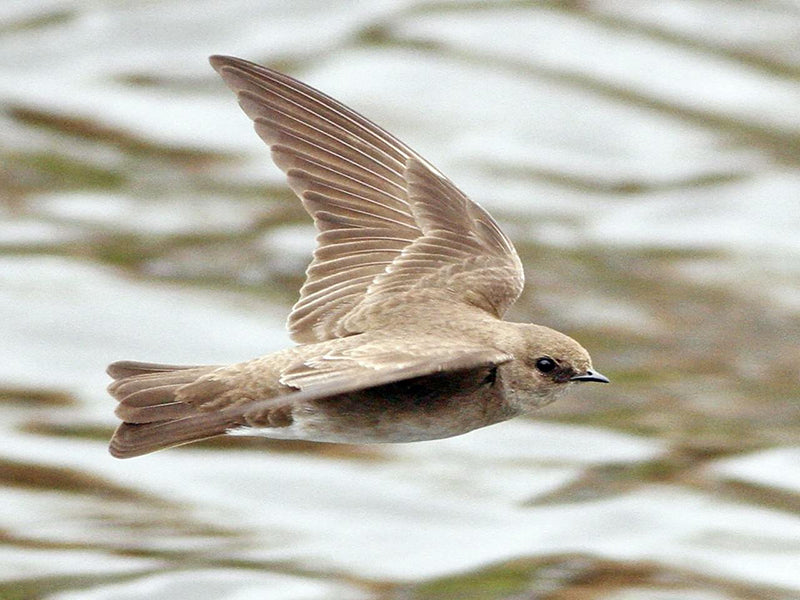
(545, 365)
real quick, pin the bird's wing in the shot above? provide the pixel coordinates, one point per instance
(387, 219)
(373, 364)
(347, 372)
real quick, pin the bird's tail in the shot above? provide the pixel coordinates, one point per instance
(153, 416)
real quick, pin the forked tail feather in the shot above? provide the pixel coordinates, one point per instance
(153, 415)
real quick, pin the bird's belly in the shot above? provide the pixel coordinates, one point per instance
(386, 418)
(315, 431)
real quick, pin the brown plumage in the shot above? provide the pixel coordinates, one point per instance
(399, 322)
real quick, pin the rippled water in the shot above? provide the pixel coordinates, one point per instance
(643, 156)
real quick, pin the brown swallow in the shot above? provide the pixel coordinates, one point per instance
(399, 322)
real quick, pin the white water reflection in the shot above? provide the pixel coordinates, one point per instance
(221, 584)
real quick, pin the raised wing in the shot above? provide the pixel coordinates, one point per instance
(388, 220)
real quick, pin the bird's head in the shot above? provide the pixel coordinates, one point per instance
(546, 364)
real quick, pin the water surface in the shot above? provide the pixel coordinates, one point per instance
(643, 157)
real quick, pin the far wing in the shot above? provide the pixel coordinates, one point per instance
(388, 220)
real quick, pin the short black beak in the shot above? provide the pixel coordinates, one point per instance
(591, 376)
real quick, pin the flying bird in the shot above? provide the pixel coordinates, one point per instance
(399, 325)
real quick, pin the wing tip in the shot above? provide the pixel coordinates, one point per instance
(219, 61)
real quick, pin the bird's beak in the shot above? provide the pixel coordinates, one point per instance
(590, 376)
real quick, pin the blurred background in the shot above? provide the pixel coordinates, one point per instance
(643, 156)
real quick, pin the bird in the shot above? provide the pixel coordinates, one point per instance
(399, 326)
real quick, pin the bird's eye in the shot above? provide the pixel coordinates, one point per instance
(545, 364)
